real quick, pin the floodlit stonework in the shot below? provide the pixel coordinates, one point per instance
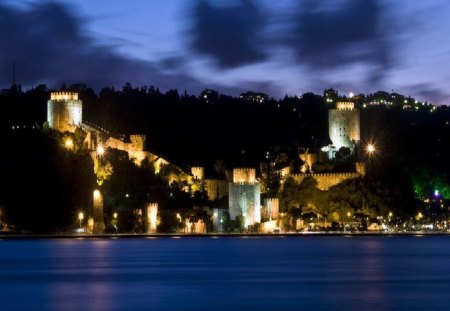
(151, 212)
(64, 111)
(244, 196)
(344, 125)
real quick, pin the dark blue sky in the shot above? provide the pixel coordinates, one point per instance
(278, 47)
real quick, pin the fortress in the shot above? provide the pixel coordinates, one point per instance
(64, 113)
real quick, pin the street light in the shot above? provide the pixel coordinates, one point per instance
(115, 221)
(370, 148)
(96, 194)
(100, 150)
(68, 143)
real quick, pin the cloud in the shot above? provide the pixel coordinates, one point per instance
(330, 35)
(48, 44)
(429, 92)
(230, 34)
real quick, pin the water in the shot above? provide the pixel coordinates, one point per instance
(253, 273)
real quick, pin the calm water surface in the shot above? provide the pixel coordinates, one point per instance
(228, 273)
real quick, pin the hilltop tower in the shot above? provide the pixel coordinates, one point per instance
(64, 111)
(344, 125)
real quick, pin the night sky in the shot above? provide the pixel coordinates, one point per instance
(278, 47)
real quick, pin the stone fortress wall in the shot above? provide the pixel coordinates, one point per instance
(134, 148)
(326, 181)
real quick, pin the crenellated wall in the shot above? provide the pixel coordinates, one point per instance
(244, 175)
(328, 180)
(345, 106)
(198, 172)
(137, 142)
(135, 148)
(63, 96)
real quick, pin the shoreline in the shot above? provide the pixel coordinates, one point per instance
(15, 236)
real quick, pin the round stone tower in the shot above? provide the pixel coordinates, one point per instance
(344, 126)
(64, 111)
(244, 196)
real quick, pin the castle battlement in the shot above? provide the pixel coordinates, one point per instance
(58, 96)
(244, 175)
(326, 174)
(327, 180)
(64, 111)
(246, 183)
(138, 142)
(198, 172)
(345, 106)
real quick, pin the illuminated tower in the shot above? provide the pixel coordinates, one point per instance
(64, 111)
(344, 127)
(244, 196)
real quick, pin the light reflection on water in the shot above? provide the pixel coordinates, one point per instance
(328, 273)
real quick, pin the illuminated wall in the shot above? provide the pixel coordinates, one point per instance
(134, 148)
(327, 180)
(360, 168)
(198, 172)
(244, 175)
(344, 125)
(218, 219)
(64, 111)
(99, 224)
(216, 188)
(244, 201)
(270, 209)
(151, 212)
(309, 159)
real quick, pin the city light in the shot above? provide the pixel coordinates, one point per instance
(68, 143)
(370, 148)
(100, 150)
(80, 217)
(96, 194)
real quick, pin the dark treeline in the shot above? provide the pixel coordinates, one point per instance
(188, 130)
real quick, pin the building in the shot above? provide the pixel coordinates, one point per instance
(209, 96)
(254, 97)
